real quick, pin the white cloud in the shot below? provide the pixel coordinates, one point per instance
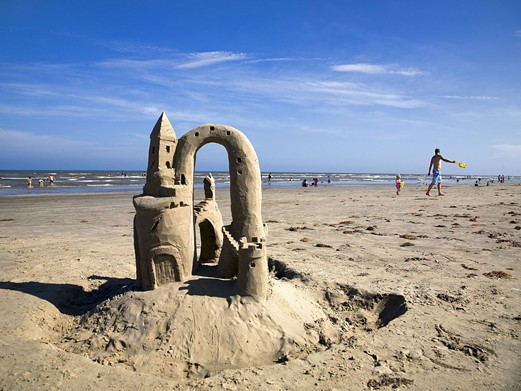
(138, 64)
(342, 93)
(181, 61)
(197, 60)
(476, 97)
(375, 69)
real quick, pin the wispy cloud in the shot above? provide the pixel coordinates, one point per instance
(508, 155)
(124, 63)
(360, 94)
(376, 69)
(510, 149)
(179, 61)
(16, 140)
(475, 97)
(309, 91)
(517, 33)
(197, 60)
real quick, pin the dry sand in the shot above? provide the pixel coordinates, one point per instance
(369, 291)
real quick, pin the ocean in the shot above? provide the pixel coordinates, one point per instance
(73, 182)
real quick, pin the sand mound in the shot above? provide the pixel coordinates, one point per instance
(196, 328)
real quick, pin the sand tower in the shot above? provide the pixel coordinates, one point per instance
(164, 226)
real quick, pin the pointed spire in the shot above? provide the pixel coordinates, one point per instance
(163, 129)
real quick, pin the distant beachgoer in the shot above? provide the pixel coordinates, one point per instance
(29, 182)
(269, 178)
(51, 180)
(399, 184)
(315, 182)
(328, 179)
(305, 183)
(41, 182)
(435, 165)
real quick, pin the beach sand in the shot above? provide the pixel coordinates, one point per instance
(409, 292)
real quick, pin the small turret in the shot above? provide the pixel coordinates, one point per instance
(160, 173)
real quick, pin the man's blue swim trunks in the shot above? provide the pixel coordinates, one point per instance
(436, 177)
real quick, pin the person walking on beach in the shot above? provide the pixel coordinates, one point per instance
(435, 166)
(269, 178)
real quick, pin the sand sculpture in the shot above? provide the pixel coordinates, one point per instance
(166, 219)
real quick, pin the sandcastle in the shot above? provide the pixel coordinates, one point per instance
(166, 218)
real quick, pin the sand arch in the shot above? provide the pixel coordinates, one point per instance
(165, 211)
(244, 173)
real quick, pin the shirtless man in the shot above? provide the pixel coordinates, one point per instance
(436, 168)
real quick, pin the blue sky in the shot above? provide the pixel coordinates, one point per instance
(337, 86)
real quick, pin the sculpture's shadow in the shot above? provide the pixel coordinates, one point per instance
(207, 283)
(73, 299)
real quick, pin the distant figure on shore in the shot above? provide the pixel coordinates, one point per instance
(29, 182)
(269, 178)
(41, 182)
(399, 184)
(51, 180)
(305, 183)
(435, 166)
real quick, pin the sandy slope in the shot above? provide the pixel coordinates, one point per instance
(371, 290)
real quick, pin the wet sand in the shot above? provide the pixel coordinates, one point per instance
(418, 292)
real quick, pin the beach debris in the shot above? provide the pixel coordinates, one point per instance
(408, 236)
(415, 259)
(467, 267)
(323, 245)
(296, 229)
(387, 380)
(447, 298)
(498, 274)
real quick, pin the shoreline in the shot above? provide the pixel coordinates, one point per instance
(59, 191)
(15, 182)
